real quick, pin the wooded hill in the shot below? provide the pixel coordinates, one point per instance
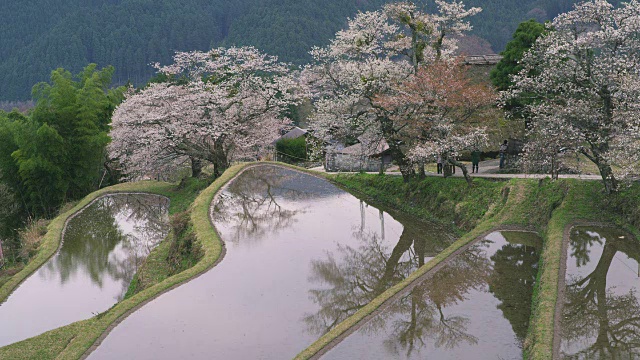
(37, 36)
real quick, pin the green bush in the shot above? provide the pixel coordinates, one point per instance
(292, 150)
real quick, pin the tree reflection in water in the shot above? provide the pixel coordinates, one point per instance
(438, 312)
(513, 278)
(419, 315)
(264, 200)
(252, 205)
(110, 237)
(354, 276)
(601, 319)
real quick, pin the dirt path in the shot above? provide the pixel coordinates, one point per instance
(487, 170)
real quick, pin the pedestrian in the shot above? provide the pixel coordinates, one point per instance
(475, 160)
(503, 153)
(439, 164)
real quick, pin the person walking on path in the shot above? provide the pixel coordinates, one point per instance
(475, 160)
(439, 164)
(503, 153)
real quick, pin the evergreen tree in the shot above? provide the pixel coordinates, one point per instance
(524, 37)
(57, 152)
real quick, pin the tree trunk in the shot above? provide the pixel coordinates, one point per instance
(597, 288)
(220, 161)
(610, 182)
(196, 167)
(554, 168)
(389, 133)
(421, 172)
(608, 178)
(602, 146)
(462, 167)
(407, 171)
(406, 168)
(391, 265)
(446, 169)
(1, 255)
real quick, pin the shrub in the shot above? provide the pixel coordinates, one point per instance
(292, 150)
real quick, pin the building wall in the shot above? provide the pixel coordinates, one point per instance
(352, 163)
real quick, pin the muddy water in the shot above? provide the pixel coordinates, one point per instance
(302, 255)
(601, 312)
(475, 307)
(101, 250)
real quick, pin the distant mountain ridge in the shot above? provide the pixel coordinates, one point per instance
(37, 36)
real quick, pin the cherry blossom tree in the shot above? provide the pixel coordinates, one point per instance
(436, 107)
(216, 106)
(364, 61)
(583, 82)
(548, 143)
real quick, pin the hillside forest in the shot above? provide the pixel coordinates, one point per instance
(41, 35)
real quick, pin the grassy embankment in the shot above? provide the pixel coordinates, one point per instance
(584, 201)
(179, 251)
(71, 341)
(7, 274)
(544, 206)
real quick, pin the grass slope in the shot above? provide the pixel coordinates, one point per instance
(451, 199)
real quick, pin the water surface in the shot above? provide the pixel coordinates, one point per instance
(101, 250)
(601, 312)
(301, 256)
(475, 307)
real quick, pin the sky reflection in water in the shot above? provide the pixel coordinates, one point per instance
(476, 306)
(301, 256)
(601, 312)
(101, 250)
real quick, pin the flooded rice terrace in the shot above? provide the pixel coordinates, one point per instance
(302, 255)
(477, 306)
(101, 250)
(600, 308)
